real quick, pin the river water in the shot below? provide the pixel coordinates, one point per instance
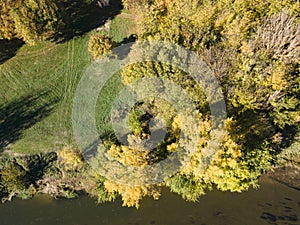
(273, 203)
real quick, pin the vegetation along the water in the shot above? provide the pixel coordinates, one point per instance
(252, 47)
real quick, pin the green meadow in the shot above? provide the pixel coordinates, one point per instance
(37, 88)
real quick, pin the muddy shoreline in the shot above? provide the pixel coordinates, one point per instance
(288, 175)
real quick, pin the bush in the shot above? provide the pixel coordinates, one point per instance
(99, 45)
(13, 179)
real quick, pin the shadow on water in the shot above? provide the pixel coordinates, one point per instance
(285, 212)
(8, 49)
(21, 114)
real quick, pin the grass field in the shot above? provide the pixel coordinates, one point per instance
(37, 88)
(122, 27)
(49, 73)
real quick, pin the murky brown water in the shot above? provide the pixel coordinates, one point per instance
(273, 203)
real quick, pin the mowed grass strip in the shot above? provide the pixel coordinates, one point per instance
(37, 88)
(36, 96)
(50, 72)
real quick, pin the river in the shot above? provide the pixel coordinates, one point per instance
(273, 203)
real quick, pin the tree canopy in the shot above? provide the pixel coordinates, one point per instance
(31, 20)
(253, 49)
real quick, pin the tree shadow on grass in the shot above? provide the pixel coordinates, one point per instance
(83, 16)
(8, 49)
(122, 53)
(21, 114)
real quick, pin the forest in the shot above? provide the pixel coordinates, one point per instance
(251, 46)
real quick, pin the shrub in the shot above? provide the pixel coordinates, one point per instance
(71, 159)
(99, 45)
(13, 178)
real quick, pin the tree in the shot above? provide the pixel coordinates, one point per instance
(131, 195)
(265, 77)
(254, 49)
(38, 20)
(187, 186)
(33, 20)
(7, 28)
(155, 69)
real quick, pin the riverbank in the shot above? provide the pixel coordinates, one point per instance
(272, 203)
(38, 92)
(287, 169)
(57, 175)
(287, 175)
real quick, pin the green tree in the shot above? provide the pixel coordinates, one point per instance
(33, 20)
(38, 20)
